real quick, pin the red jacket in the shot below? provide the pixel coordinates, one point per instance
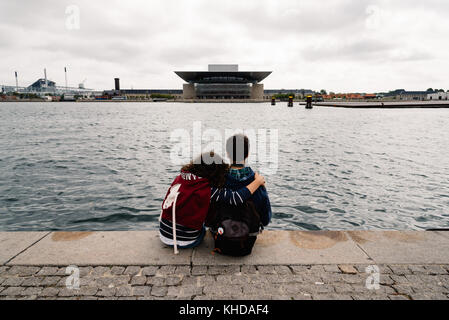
(192, 203)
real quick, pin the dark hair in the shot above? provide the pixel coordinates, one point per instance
(237, 148)
(211, 166)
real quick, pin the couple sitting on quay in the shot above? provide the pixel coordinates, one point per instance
(230, 200)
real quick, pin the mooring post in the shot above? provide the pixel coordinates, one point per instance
(290, 101)
(309, 102)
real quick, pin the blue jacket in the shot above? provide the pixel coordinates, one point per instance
(260, 197)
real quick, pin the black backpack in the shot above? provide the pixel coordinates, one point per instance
(234, 228)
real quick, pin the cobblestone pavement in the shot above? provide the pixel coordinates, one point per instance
(397, 282)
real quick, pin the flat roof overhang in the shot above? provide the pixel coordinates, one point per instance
(207, 76)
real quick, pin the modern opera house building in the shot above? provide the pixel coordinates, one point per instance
(223, 81)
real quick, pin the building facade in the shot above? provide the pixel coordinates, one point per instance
(223, 81)
(438, 96)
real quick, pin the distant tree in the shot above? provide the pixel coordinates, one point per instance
(430, 90)
(441, 90)
(332, 93)
(160, 95)
(323, 92)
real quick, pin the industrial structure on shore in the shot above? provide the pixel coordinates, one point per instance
(45, 87)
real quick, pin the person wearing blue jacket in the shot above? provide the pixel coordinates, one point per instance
(241, 175)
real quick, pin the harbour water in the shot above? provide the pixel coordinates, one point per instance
(106, 166)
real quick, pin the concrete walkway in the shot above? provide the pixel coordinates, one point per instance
(283, 265)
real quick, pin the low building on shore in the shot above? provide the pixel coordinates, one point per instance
(401, 94)
(438, 96)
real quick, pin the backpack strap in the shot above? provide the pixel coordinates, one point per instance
(175, 245)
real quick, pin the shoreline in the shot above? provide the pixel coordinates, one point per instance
(297, 103)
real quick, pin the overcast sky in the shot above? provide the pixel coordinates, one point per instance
(337, 45)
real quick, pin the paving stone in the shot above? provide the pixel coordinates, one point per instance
(417, 269)
(115, 281)
(300, 269)
(347, 269)
(343, 288)
(233, 279)
(31, 291)
(49, 292)
(182, 270)
(316, 268)
(199, 270)
(185, 291)
(138, 280)
(3, 269)
(354, 279)
(222, 289)
(202, 281)
(215, 270)
(156, 281)
(12, 291)
(435, 269)
(282, 270)
(31, 281)
(290, 288)
(159, 291)
(248, 269)
(403, 289)
(266, 269)
(106, 292)
(101, 271)
(428, 296)
(386, 280)
(399, 279)
(361, 268)
(149, 271)
(123, 292)
(173, 280)
(132, 270)
(400, 269)
(277, 278)
(89, 281)
(117, 270)
(48, 271)
(385, 269)
(165, 270)
(50, 281)
(141, 290)
(13, 282)
(87, 291)
(331, 268)
(23, 271)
